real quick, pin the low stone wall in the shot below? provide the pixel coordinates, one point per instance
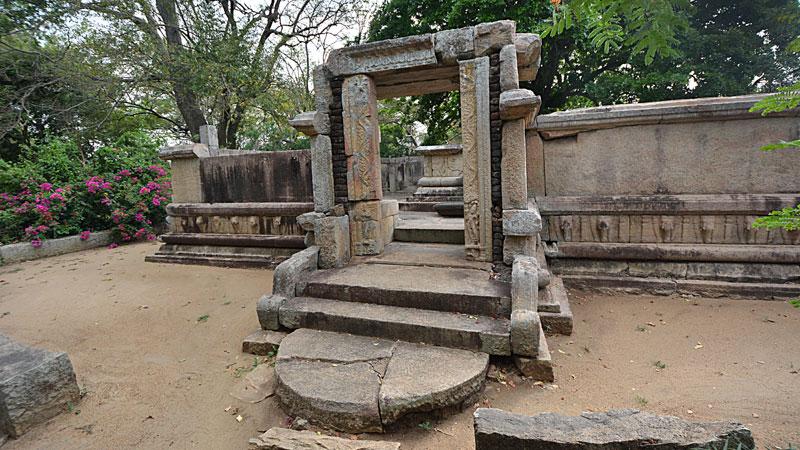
(401, 174)
(626, 185)
(24, 251)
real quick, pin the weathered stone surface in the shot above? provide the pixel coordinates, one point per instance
(475, 118)
(257, 385)
(441, 181)
(488, 335)
(525, 284)
(529, 48)
(349, 381)
(366, 231)
(392, 54)
(534, 164)
(453, 45)
(449, 209)
(460, 375)
(539, 368)
(322, 173)
(525, 330)
(509, 74)
(293, 271)
(361, 138)
(35, 385)
(308, 220)
(491, 37)
(24, 251)
(528, 73)
(209, 137)
(332, 236)
(514, 246)
(519, 104)
(304, 123)
(268, 309)
(513, 172)
(340, 396)
(521, 222)
(334, 347)
(323, 94)
(262, 342)
(615, 429)
(390, 208)
(285, 439)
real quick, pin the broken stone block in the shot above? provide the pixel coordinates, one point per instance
(491, 37)
(308, 220)
(513, 172)
(304, 123)
(332, 236)
(519, 104)
(366, 231)
(525, 326)
(361, 138)
(267, 308)
(256, 385)
(391, 54)
(262, 342)
(521, 222)
(615, 429)
(286, 439)
(515, 246)
(509, 74)
(390, 208)
(529, 49)
(525, 284)
(453, 45)
(539, 368)
(323, 94)
(322, 173)
(35, 385)
(293, 271)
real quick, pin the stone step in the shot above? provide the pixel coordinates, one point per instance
(450, 289)
(366, 384)
(556, 322)
(429, 228)
(444, 329)
(249, 257)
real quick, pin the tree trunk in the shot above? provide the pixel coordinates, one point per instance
(185, 99)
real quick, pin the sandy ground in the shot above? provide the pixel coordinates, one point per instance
(156, 375)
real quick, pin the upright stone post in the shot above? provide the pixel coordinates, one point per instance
(208, 136)
(185, 164)
(476, 149)
(362, 148)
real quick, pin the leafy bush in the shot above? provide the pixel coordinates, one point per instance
(56, 192)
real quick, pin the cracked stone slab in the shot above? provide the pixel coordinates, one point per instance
(615, 429)
(362, 384)
(306, 343)
(422, 378)
(286, 439)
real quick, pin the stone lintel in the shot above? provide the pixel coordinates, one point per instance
(438, 150)
(392, 54)
(184, 151)
(454, 45)
(492, 36)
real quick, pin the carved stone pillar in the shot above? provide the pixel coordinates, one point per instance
(475, 118)
(361, 139)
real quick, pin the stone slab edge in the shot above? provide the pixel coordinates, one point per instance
(24, 251)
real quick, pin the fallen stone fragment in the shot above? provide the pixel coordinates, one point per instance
(285, 439)
(262, 342)
(257, 385)
(615, 429)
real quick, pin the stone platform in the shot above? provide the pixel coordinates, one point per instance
(367, 384)
(429, 227)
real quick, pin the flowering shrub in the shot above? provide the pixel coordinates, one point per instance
(127, 192)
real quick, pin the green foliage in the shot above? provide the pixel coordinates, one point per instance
(786, 218)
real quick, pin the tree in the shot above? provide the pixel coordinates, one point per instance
(598, 52)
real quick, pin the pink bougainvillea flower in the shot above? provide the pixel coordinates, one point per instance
(151, 237)
(42, 208)
(56, 196)
(139, 217)
(144, 191)
(85, 235)
(157, 201)
(112, 245)
(105, 200)
(46, 187)
(125, 172)
(36, 243)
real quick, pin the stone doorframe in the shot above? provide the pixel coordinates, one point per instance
(485, 63)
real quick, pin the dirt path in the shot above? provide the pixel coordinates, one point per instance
(157, 372)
